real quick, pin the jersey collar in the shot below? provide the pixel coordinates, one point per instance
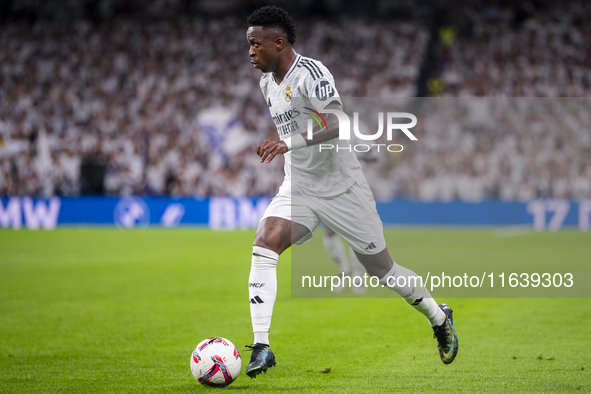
(293, 66)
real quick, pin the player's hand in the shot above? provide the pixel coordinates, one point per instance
(268, 149)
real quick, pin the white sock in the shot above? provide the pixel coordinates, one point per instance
(262, 291)
(403, 284)
(261, 337)
(336, 250)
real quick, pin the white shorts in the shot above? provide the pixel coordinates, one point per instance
(352, 215)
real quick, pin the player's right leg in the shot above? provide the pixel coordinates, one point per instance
(274, 235)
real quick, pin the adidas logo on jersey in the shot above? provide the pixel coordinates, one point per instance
(370, 246)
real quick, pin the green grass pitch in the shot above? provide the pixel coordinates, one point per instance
(103, 310)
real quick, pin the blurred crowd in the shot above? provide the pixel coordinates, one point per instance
(175, 108)
(513, 149)
(170, 109)
(125, 92)
(518, 51)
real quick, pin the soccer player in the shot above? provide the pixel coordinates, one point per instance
(336, 250)
(319, 186)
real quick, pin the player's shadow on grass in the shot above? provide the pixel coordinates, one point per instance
(194, 388)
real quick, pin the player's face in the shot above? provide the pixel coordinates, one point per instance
(263, 48)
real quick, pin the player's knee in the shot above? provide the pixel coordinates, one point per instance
(378, 264)
(271, 236)
(270, 243)
(262, 243)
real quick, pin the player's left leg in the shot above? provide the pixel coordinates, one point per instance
(404, 282)
(364, 232)
(410, 287)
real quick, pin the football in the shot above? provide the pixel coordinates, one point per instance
(215, 362)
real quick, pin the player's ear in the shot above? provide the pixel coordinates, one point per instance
(279, 42)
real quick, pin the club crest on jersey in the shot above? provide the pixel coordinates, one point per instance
(288, 94)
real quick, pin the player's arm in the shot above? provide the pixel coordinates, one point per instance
(268, 149)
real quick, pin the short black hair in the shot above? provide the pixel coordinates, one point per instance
(272, 16)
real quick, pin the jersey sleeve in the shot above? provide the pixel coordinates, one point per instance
(318, 86)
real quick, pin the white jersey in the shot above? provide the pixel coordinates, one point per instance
(307, 86)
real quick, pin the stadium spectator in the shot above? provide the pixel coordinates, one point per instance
(136, 93)
(149, 99)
